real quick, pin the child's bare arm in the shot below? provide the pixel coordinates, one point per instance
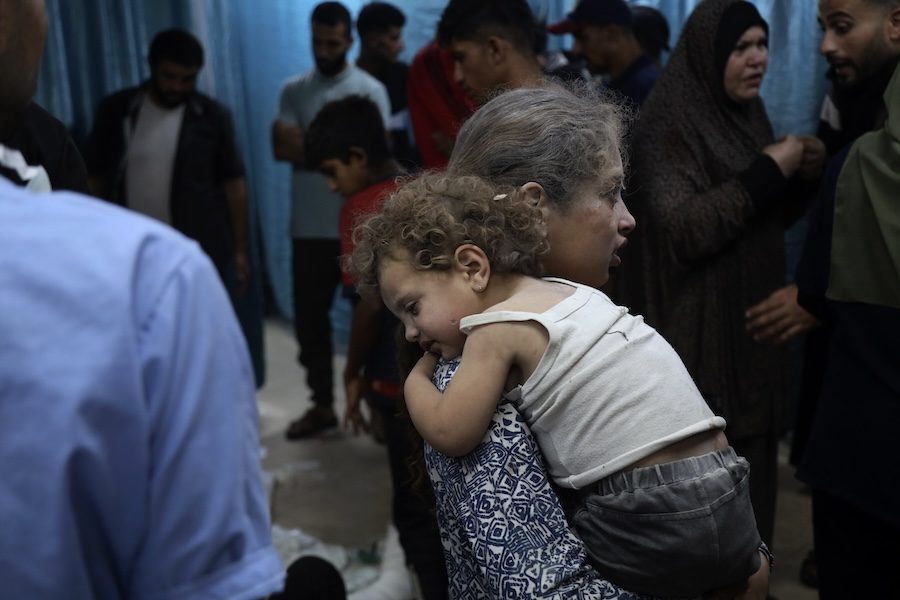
(363, 334)
(455, 422)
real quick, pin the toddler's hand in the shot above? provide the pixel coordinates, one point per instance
(426, 365)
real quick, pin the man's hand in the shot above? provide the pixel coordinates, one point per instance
(242, 270)
(779, 318)
(813, 158)
(287, 143)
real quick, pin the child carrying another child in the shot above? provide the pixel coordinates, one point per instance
(659, 498)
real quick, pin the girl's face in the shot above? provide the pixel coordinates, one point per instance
(429, 303)
(585, 238)
(746, 65)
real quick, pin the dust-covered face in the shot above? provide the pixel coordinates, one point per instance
(585, 237)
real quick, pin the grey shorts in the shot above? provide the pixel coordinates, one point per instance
(673, 530)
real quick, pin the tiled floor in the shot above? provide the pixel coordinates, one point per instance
(336, 488)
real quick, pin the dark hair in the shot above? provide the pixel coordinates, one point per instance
(476, 19)
(378, 17)
(651, 30)
(313, 578)
(177, 46)
(345, 123)
(331, 14)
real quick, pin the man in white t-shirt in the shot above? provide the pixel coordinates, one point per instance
(167, 151)
(315, 208)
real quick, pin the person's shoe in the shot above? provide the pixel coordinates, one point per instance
(316, 420)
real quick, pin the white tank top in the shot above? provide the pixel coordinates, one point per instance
(608, 391)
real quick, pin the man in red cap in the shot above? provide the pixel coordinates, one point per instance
(604, 37)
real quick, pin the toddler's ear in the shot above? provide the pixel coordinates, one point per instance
(473, 264)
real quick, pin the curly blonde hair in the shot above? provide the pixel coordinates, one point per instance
(430, 216)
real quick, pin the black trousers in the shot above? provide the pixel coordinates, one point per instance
(317, 273)
(857, 554)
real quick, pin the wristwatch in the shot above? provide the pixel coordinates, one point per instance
(764, 550)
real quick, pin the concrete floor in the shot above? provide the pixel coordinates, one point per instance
(336, 487)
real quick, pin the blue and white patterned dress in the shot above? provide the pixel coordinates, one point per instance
(503, 530)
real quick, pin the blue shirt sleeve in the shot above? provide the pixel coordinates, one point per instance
(207, 531)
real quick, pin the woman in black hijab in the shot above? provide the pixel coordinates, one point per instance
(711, 190)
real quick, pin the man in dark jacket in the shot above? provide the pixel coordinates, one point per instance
(168, 151)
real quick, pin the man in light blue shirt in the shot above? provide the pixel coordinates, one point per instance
(128, 425)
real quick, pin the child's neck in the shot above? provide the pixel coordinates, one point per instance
(523, 293)
(503, 286)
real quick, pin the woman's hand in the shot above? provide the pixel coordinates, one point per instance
(787, 154)
(779, 318)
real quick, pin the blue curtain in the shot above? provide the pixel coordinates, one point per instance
(96, 47)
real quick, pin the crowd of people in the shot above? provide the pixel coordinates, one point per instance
(568, 285)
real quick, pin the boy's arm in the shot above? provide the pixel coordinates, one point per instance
(363, 331)
(454, 422)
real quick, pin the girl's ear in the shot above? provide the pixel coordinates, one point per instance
(534, 192)
(473, 264)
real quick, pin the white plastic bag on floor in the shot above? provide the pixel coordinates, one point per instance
(394, 581)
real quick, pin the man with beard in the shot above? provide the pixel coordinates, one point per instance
(861, 42)
(315, 208)
(167, 151)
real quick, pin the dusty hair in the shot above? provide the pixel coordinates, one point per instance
(562, 137)
(429, 217)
